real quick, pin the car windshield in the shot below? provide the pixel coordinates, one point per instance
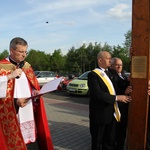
(84, 76)
(36, 72)
(127, 74)
(44, 73)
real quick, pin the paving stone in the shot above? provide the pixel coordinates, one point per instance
(69, 124)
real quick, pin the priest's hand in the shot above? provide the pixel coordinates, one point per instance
(22, 102)
(35, 92)
(14, 74)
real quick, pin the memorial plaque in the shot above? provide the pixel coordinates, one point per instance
(139, 67)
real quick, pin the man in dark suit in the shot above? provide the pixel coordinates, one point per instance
(121, 87)
(101, 107)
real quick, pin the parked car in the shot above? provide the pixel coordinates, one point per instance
(44, 76)
(79, 85)
(127, 74)
(65, 81)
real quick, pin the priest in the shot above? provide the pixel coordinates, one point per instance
(23, 122)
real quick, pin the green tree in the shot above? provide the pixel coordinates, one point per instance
(128, 41)
(128, 37)
(57, 61)
(72, 64)
(39, 60)
(121, 53)
(107, 47)
(82, 57)
(90, 54)
(77, 60)
(4, 54)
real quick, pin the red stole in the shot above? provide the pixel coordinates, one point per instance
(10, 130)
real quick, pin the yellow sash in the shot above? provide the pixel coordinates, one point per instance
(110, 87)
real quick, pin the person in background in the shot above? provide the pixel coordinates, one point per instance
(148, 91)
(148, 127)
(123, 87)
(23, 121)
(103, 110)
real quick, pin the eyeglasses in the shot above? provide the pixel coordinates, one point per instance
(118, 65)
(21, 52)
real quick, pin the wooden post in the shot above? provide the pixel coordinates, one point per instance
(140, 74)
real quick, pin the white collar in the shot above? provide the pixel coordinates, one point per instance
(102, 69)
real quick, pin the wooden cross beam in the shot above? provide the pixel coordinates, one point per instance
(140, 74)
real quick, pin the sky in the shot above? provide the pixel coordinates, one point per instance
(49, 25)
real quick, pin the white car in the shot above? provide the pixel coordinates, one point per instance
(44, 76)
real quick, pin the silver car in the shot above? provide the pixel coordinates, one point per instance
(44, 76)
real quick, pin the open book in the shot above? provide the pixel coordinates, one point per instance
(48, 87)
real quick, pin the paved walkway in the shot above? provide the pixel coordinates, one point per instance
(69, 124)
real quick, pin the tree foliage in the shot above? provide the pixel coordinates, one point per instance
(128, 40)
(77, 60)
(57, 61)
(39, 60)
(4, 54)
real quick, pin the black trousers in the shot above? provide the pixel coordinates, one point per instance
(121, 129)
(103, 135)
(32, 146)
(120, 137)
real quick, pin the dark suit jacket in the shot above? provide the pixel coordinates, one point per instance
(101, 104)
(120, 87)
(120, 84)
